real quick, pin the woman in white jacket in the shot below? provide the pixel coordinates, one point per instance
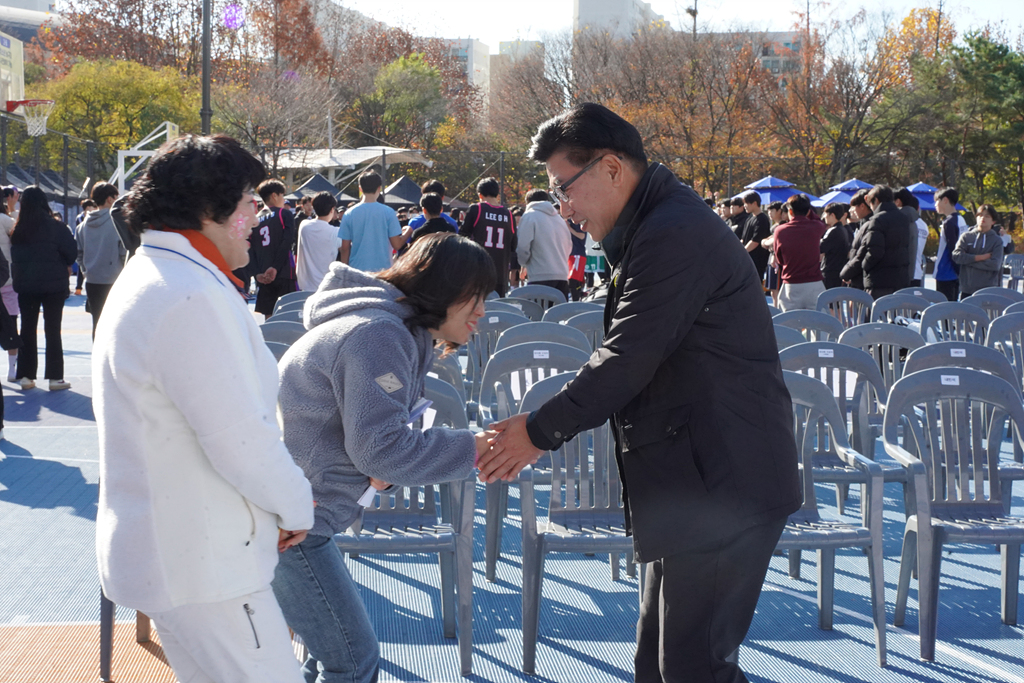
(196, 486)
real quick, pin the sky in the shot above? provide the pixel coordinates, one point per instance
(503, 20)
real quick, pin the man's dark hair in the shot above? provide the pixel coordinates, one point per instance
(774, 206)
(189, 179)
(585, 131)
(752, 198)
(323, 203)
(906, 198)
(370, 182)
(880, 193)
(991, 211)
(949, 193)
(89, 204)
(270, 187)
(725, 203)
(488, 187)
(433, 185)
(838, 210)
(437, 271)
(858, 198)
(101, 192)
(710, 202)
(736, 201)
(305, 200)
(799, 204)
(537, 195)
(432, 203)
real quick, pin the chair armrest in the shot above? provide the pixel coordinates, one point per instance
(904, 457)
(860, 462)
(917, 482)
(501, 397)
(871, 507)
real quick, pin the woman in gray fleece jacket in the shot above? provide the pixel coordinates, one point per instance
(347, 388)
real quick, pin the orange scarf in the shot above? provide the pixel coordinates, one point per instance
(209, 251)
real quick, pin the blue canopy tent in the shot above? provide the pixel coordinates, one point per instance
(851, 186)
(768, 182)
(925, 194)
(774, 189)
(843, 192)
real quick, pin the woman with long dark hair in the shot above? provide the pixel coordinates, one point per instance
(42, 251)
(348, 387)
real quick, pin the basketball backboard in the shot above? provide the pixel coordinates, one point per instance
(12, 70)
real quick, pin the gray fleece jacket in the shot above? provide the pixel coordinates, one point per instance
(544, 243)
(347, 387)
(975, 275)
(100, 252)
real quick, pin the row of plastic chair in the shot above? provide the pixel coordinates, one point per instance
(854, 307)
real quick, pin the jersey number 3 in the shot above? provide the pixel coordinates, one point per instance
(265, 234)
(490, 235)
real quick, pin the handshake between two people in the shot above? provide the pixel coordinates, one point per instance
(505, 449)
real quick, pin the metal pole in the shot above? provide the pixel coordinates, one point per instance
(65, 177)
(383, 175)
(35, 158)
(3, 149)
(206, 113)
(88, 160)
(729, 191)
(501, 176)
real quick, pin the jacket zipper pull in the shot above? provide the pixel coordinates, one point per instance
(249, 611)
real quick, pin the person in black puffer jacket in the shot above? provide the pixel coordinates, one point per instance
(42, 251)
(883, 256)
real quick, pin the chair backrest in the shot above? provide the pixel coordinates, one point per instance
(480, 346)
(1015, 262)
(962, 355)
(787, 336)
(773, 311)
(276, 348)
(531, 309)
(290, 314)
(285, 331)
(1012, 294)
(584, 474)
(562, 312)
(523, 365)
(543, 332)
(289, 305)
(815, 325)
(591, 324)
(492, 295)
(848, 305)
(1006, 335)
(448, 369)
(925, 293)
(292, 298)
(495, 305)
(954, 321)
(543, 295)
(955, 421)
(853, 377)
(888, 344)
(1014, 308)
(992, 304)
(449, 408)
(887, 308)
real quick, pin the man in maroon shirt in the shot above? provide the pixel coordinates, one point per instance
(797, 250)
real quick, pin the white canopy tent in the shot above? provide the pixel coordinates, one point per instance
(336, 163)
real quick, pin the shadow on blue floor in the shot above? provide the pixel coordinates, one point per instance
(50, 484)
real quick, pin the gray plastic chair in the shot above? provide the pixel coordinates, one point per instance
(992, 304)
(292, 297)
(408, 521)
(1014, 308)
(277, 348)
(559, 313)
(832, 364)
(542, 295)
(543, 332)
(294, 304)
(1012, 294)
(1006, 335)
(285, 331)
(888, 344)
(1015, 264)
(814, 325)
(531, 309)
(887, 308)
(448, 369)
(954, 321)
(787, 336)
(813, 404)
(590, 324)
(524, 364)
(925, 293)
(954, 422)
(848, 305)
(481, 345)
(290, 314)
(501, 306)
(585, 512)
(773, 310)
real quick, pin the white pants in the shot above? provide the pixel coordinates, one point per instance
(243, 640)
(800, 296)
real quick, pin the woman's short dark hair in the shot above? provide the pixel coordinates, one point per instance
(190, 179)
(35, 210)
(437, 271)
(584, 131)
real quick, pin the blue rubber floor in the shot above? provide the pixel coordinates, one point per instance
(48, 490)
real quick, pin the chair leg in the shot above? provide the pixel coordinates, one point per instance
(929, 566)
(842, 493)
(613, 562)
(631, 565)
(447, 562)
(142, 628)
(826, 586)
(1006, 488)
(794, 563)
(494, 521)
(1011, 577)
(876, 578)
(106, 636)
(733, 657)
(533, 578)
(907, 562)
(464, 578)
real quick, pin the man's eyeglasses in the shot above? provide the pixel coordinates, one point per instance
(559, 190)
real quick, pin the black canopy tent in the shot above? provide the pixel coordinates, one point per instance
(317, 184)
(402, 193)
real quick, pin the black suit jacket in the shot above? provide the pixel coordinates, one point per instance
(689, 371)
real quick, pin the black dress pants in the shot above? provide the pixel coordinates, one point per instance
(561, 285)
(53, 314)
(697, 608)
(97, 296)
(951, 288)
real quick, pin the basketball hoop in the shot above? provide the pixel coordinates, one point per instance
(35, 112)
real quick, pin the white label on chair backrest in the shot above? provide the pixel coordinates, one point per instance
(918, 294)
(958, 353)
(950, 380)
(826, 353)
(541, 353)
(519, 306)
(493, 319)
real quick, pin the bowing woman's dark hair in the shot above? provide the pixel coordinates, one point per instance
(189, 179)
(35, 212)
(437, 271)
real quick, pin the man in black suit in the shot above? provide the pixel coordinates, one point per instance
(690, 375)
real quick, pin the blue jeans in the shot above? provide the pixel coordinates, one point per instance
(320, 602)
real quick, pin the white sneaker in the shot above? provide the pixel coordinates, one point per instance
(27, 383)
(2, 438)
(12, 377)
(59, 385)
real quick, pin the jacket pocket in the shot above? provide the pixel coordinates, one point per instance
(655, 426)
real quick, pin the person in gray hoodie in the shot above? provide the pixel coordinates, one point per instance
(101, 255)
(348, 387)
(544, 243)
(979, 251)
